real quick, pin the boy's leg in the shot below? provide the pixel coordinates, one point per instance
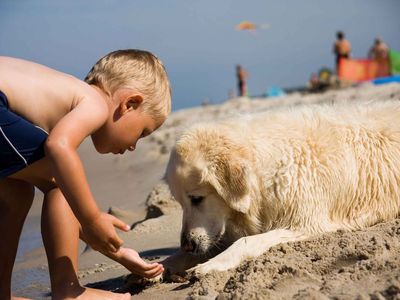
(60, 234)
(16, 198)
(60, 230)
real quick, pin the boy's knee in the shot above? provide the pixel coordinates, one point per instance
(53, 194)
(15, 194)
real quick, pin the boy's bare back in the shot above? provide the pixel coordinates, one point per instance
(51, 94)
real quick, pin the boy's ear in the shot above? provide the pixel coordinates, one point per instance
(130, 103)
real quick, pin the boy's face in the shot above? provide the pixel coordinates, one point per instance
(126, 125)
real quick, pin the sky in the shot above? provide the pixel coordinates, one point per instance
(197, 40)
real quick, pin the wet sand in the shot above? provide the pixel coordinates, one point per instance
(342, 265)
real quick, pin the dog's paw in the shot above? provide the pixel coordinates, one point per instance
(222, 262)
(204, 268)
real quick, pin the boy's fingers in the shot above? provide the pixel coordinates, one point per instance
(146, 266)
(116, 242)
(149, 273)
(120, 224)
(112, 248)
(152, 273)
(159, 272)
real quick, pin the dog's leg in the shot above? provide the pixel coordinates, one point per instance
(179, 262)
(247, 247)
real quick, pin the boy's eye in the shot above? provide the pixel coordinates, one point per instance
(196, 200)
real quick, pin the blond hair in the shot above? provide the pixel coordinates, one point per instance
(137, 69)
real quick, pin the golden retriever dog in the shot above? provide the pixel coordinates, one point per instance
(248, 183)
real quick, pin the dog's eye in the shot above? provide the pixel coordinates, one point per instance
(196, 200)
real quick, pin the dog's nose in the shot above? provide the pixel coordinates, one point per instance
(187, 245)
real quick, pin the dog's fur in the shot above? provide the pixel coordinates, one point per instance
(281, 176)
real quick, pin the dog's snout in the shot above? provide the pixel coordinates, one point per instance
(187, 244)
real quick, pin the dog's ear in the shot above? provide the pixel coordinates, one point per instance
(229, 172)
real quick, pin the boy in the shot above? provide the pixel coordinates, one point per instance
(44, 116)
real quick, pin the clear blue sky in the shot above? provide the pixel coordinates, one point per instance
(197, 40)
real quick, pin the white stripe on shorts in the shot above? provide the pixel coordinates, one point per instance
(42, 129)
(12, 146)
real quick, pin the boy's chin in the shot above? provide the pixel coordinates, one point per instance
(101, 150)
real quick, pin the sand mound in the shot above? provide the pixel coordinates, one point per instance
(343, 265)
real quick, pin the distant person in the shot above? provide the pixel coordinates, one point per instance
(44, 116)
(379, 50)
(241, 75)
(341, 48)
(380, 53)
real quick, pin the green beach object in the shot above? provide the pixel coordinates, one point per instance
(394, 58)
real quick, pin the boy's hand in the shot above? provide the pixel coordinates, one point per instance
(100, 233)
(131, 260)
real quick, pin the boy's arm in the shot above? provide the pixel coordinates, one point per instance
(89, 115)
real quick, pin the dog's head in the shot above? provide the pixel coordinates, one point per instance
(211, 176)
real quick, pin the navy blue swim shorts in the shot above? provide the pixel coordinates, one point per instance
(21, 142)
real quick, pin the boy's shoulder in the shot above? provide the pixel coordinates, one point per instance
(44, 95)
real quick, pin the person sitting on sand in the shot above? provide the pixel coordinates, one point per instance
(341, 48)
(44, 116)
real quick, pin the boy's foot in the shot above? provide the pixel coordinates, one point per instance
(91, 294)
(131, 260)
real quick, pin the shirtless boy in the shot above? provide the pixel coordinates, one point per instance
(44, 117)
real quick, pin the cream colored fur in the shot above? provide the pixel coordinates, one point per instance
(285, 175)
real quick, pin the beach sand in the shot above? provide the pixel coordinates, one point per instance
(344, 265)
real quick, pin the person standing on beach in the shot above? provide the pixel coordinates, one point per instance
(44, 117)
(378, 51)
(341, 48)
(241, 75)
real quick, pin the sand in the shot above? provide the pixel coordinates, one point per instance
(344, 265)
